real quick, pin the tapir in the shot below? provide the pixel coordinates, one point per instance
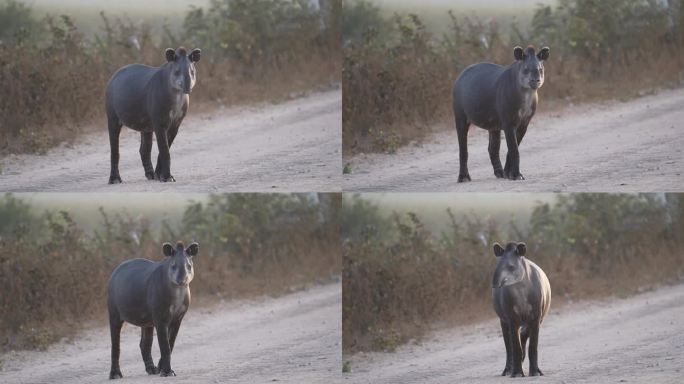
(153, 296)
(151, 100)
(497, 99)
(522, 295)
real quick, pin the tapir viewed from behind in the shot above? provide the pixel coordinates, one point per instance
(522, 296)
(151, 295)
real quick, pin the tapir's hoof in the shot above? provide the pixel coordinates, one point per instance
(115, 180)
(463, 178)
(517, 374)
(170, 372)
(536, 372)
(499, 173)
(149, 175)
(506, 372)
(164, 179)
(115, 374)
(512, 176)
(152, 370)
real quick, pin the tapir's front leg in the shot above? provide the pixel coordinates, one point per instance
(516, 350)
(163, 170)
(165, 350)
(494, 145)
(146, 338)
(505, 332)
(512, 167)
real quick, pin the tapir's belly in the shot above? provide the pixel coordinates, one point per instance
(140, 317)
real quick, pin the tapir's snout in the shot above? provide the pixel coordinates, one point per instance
(535, 84)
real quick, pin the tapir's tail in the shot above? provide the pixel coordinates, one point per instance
(524, 334)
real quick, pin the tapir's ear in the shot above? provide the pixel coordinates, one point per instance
(167, 249)
(543, 55)
(170, 54)
(518, 53)
(195, 55)
(192, 249)
(521, 248)
(498, 250)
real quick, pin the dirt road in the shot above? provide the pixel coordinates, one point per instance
(292, 339)
(635, 340)
(635, 146)
(290, 147)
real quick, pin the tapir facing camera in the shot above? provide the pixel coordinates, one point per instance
(151, 295)
(522, 296)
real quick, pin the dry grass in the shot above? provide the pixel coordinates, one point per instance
(54, 76)
(53, 273)
(400, 280)
(397, 77)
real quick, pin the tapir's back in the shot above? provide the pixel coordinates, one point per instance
(127, 289)
(130, 80)
(127, 93)
(474, 94)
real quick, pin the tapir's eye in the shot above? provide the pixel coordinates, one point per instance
(177, 73)
(510, 267)
(526, 71)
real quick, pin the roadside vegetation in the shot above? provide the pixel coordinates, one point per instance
(401, 280)
(53, 272)
(53, 75)
(397, 74)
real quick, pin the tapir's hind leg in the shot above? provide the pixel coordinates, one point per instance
(146, 154)
(114, 126)
(524, 334)
(146, 338)
(115, 324)
(462, 126)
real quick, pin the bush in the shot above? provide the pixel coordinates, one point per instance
(54, 77)
(53, 272)
(397, 77)
(396, 287)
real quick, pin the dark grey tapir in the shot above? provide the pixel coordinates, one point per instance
(151, 295)
(150, 100)
(522, 296)
(498, 99)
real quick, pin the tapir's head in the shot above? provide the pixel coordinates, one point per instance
(182, 65)
(510, 266)
(530, 66)
(179, 267)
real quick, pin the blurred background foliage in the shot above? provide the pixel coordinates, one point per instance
(398, 70)
(53, 270)
(53, 73)
(401, 278)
